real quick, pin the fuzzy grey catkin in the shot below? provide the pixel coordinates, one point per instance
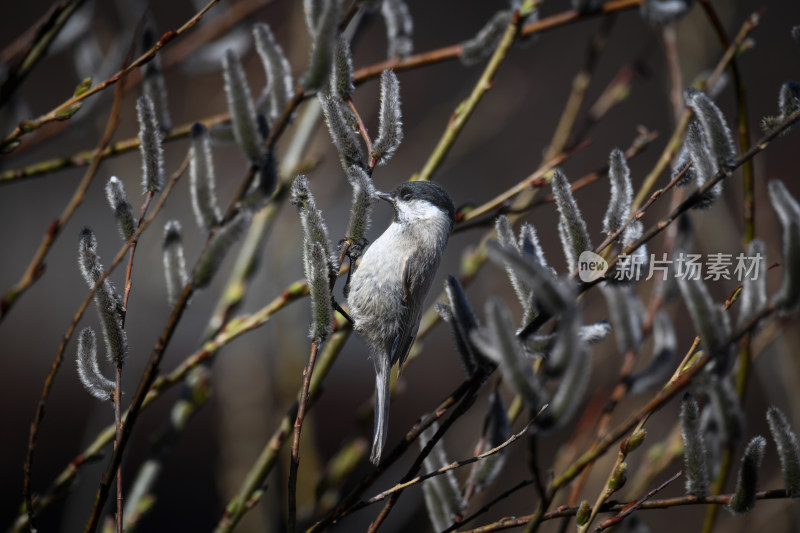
(499, 343)
(788, 450)
(317, 270)
(399, 28)
(463, 322)
(498, 431)
(571, 226)
(662, 12)
(390, 119)
(313, 9)
(704, 165)
(150, 146)
(727, 409)
(314, 227)
(506, 237)
(627, 313)
(363, 200)
(621, 197)
(711, 322)
(589, 334)
(551, 294)
(342, 84)
(684, 170)
(277, 68)
(565, 344)
(571, 389)
(788, 99)
(106, 299)
(217, 249)
(202, 180)
(787, 299)
(754, 287)
(717, 133)
(89, 373)
(153, 84)
(442, 496)
(342, 132)
(123, 212)
(632, 233)
(174, 260)
(744, 497)
(694, 449)
(662, 364)
(529, 244)
(486, 40)
(326, 36)
(241, 107)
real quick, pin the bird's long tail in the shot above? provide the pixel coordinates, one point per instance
(383, 370)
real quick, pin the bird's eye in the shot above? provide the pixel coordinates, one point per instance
(406, 196)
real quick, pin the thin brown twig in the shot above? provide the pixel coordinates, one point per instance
(298, 427)
(50, 379)
(45, 34)
(721, 499)
(452, 466)
(372, 71)
(63, 111)
(136, 404)
(35, 270)
(462, 408)
(346, 505)
(676, 384)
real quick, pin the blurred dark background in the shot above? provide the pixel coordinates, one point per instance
(255, 378)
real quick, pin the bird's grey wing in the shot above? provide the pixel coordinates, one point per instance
(411, 317)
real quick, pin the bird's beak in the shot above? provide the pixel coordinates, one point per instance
(385, 196)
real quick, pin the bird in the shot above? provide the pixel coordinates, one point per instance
(391, 281)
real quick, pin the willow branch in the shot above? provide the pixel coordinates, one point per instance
(60, 111)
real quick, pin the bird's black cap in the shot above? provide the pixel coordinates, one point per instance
(428, 191)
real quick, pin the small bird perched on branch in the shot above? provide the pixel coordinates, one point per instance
(389, 286)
